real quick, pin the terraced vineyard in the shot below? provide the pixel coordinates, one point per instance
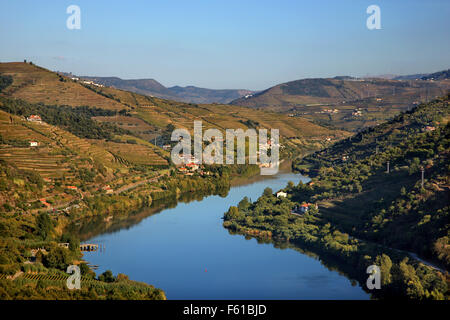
(36, 84)
(133, 153)
(57, 149)
(148, 117)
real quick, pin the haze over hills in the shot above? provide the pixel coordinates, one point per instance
(189, 94)
(346, 102)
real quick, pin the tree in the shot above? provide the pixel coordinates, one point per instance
(57, 258)
(268, 192)
(232, 213)
(44, 225)
(385, 264)
(244, 204)
(107, 276)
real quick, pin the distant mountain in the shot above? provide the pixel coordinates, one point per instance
(416, 76)
(202, 95)
(331, 91)
(189, 94)
(441, 75)
(345, 102)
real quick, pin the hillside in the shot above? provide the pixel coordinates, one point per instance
(114, 140)
(355, 190)
(343, 102)
(149, 118)
(361, 212)
(38, 85)
(190, 94)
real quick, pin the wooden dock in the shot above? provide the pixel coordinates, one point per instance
(88, 247)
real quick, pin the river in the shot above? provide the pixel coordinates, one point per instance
(185, 251)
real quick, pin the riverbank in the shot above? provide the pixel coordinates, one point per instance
(218, 265)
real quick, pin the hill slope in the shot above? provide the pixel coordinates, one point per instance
(36, 84)
(345, 103)
(149, 117)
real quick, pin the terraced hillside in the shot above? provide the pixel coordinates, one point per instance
(36, 84)
(156, 113)
(132, 153)
(149, 118)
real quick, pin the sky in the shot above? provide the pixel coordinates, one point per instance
(245, 44)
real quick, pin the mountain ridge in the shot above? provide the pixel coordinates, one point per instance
(150, 86)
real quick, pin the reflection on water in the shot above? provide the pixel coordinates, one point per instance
(183, 248)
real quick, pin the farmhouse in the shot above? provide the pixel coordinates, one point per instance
(34, 118)
(281, 194)
(108, 189)
(303, 208)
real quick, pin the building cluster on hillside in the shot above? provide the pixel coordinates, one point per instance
(357, 113)
(268, 145)
(191, 166)
(92, 83)
(88, 82)
(34, 118)
(329, 111)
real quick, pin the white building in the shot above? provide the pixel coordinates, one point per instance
(281, 194)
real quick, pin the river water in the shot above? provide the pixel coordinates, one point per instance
(186, 252)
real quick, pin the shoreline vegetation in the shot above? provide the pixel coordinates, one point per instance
(359, 213)
(40, 273)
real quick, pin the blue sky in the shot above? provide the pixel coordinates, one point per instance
(250, 44)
